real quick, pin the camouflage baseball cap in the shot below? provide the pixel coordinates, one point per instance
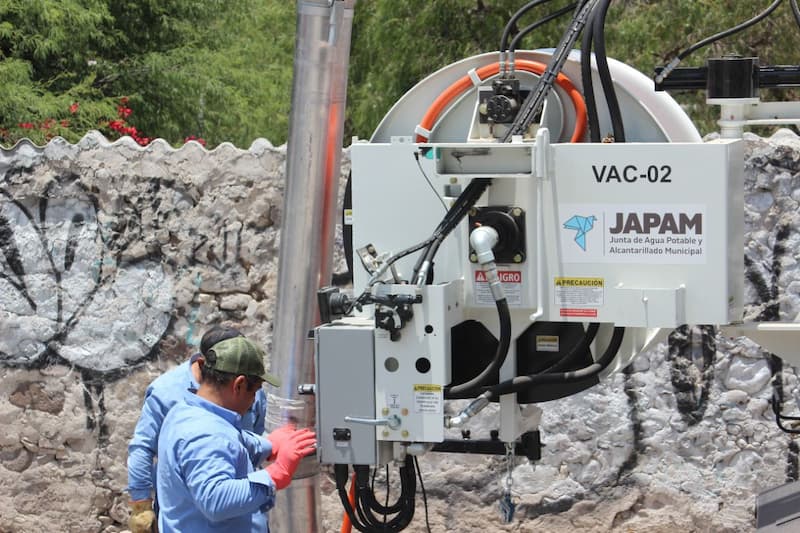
(241, 356)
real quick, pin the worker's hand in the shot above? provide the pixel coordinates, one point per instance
(278, 437)
(297, 445)
(142, 519)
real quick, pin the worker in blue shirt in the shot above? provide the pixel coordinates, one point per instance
(163, 393)
(206, 478)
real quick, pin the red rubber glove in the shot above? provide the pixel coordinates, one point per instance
(297, 445)
(278, 437)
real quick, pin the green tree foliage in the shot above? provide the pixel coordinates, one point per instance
(397, 44)
(214, 69)
(221, 70)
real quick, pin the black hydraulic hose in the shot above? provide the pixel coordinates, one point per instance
(541, 22)
(465, 201)
(795, 11)
(514, 18)
(459, 209)
(730, 31)
(535, 100)
(499, 358)
(588, 84)
(349, 509)
(340, 474)
(426, 258)
(665, 72)
(375, 505)
(366, 502)
(521, 383)
(599, 37)
(576, 352)
(410, 250)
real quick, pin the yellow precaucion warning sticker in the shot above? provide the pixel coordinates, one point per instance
(580, 282)
(579, 292)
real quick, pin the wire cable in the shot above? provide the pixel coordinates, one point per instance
(428, 180)
(541, 22)
(424, 496)
(716, 37)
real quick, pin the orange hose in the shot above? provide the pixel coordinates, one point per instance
(347, 527)
(464, 83)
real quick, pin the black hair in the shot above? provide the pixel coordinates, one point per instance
(212, 376)
(217, 334)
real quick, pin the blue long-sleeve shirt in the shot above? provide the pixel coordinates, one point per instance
(206, 479)
(161, 395)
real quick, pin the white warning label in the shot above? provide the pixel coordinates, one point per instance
(428, 398)
(512, 287)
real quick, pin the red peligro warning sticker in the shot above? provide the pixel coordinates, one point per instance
(512, 285)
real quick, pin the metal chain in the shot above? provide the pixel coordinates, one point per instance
(509, 482)
(507, 505)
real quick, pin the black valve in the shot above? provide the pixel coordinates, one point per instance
(503, 105)
(509, 222)
(332, 304)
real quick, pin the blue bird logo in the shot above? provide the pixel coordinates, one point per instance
(582, 226)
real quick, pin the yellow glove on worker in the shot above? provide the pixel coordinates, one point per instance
(142, 519)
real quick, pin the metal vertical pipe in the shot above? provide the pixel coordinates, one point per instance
(322, 50)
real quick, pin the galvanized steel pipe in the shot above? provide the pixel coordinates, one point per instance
(322, 50)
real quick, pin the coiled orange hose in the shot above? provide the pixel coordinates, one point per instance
(465, 83)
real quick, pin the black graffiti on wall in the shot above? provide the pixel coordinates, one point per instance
(691, 353)
(67, 296)
(91, 287)
(62, 272)
(765, 279)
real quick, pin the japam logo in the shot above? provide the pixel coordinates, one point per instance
(582, 226)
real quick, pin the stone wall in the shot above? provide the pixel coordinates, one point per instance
(115, 258)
